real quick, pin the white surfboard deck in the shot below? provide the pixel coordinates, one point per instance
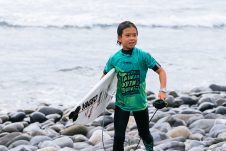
(96, 100)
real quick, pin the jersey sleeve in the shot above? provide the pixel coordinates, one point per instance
(108, 66)
(151, 62)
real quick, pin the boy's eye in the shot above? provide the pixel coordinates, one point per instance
(128, 35)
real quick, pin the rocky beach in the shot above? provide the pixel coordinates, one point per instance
(193, 121)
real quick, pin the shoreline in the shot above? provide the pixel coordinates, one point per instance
(193, 120)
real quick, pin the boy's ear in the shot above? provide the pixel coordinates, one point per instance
(120, 39)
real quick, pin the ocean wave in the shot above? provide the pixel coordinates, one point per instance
(101, 25)
(76, 68)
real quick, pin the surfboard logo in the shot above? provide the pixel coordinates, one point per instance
(74, 114)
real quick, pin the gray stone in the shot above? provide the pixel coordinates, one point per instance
(174, 122)
(111, 106)
(205, 106)
(91, 130)
(178, 102)
(163, 127)
(207, 98)
(222, 135)
(224, 104)
(198, 148)
(186, 117)
(97, 137)
(1, 127)
(189, 100)
(75, 129)
(18, 143)
(172, 145)
(221, 110)
(48, 144)
(180, 131)
(17, 117)
(47, 124)
(158, 136)
(190, 111)
(189, 144)
(55, 117)
(103, 120)
(67, 149)
(205, 124)
(32, 127)
(174, 94)
(48, 149)
(217, 129)
(216, 146)
(194, 118)
(13, 127)
(81, 145)
(57, 127)
(51, 133)
(24, 148)
(38, 117)
(208, 141)
(220, 101)
(151, 97)
(24, 137)
(34, 130)
(198, 130)
(37, 139)
(200, 90)
(216, 87)
(50, 110)
(196, 136)
(170, 101)
(210, 115)
(159, 115)
(3, 148)
(64, 142)
(3, 134)
(79, 138)
(4, 118)
(27, 111)
(150, 93)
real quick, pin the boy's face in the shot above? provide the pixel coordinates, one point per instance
(129, 38)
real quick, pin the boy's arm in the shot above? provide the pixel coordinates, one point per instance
(162, 79)
(102, 75)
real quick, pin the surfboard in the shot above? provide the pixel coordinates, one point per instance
(96, 100)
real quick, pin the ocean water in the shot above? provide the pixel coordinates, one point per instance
(54, 51)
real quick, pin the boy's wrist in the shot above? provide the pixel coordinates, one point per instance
(163, 90)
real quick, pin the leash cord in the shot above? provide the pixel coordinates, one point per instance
(149, 122)
(103, 133)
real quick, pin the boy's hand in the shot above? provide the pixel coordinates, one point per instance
(162, 95)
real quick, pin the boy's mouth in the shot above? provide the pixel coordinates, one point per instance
(131, 43)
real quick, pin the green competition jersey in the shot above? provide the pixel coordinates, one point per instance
(131, 72)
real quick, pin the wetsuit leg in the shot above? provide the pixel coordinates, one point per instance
(121, 118)
(142, 121)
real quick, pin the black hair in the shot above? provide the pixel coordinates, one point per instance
(124, 25)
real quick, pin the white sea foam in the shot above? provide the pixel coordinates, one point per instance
(89, 13)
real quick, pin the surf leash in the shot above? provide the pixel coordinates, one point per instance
(158, 104)
(103, 133)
